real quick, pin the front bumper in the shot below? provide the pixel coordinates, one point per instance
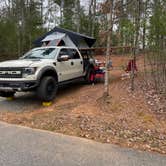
(17, 85)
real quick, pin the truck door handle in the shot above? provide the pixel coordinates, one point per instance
(81, 62)
(72, 63)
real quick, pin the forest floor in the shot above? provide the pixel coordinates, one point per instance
(130, 119)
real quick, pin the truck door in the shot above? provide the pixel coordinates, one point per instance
(76, 63)
(64, 67)
(71, 68)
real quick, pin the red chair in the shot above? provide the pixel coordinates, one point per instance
(131, 66)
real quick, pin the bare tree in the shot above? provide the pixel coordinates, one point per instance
(61, 11)
(109, 34)
(136, 42)
(77, 14)
(90, 17)
(93, 18)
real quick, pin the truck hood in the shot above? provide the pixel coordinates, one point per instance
(24, 63)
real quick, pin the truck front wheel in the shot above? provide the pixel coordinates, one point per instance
(47, 89)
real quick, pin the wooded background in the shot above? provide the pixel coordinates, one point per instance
(21, 22)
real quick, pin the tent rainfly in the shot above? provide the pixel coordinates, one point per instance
(63, 37)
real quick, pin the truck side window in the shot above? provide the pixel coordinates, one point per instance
(74, 54)
(63, 51)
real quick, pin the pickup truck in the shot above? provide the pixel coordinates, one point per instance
(43, 70)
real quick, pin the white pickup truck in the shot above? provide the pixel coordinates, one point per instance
(43, 69)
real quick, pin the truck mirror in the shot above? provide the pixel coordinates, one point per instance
(63, 58)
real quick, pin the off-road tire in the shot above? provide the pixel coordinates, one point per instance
(47, 89)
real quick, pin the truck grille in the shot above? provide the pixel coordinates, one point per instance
(10, 73)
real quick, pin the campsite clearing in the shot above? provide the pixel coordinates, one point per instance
(127, 118)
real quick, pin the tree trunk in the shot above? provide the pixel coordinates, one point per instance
(90, 17)
(136, 43)
(93, 18)
(109, 30)
(77, 15)
(144, 25)
(61, 11)
(41, 11)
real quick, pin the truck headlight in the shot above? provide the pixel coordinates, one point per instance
(29, 71)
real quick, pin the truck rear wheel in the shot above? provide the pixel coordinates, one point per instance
(7, 94)
(47, 89)
(90, 76)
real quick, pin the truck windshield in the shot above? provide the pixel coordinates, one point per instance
(42, 53)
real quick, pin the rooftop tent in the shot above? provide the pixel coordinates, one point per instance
(79, 40)
(56, 39)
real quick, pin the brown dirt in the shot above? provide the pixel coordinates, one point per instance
(125, 118)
